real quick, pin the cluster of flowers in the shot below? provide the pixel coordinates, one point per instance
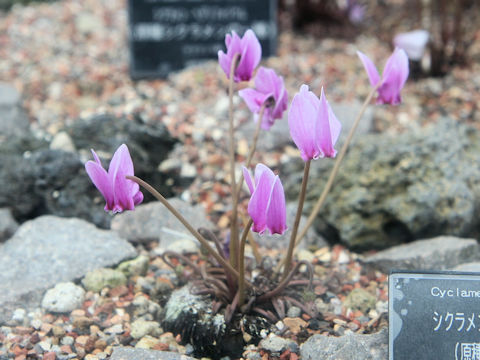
(313, 125)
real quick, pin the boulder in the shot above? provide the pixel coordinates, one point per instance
(394, 189)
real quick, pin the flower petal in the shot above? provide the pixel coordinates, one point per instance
(248, 179)
(101, 180)
(276, 210)
(395, 75)
(124, 189)
(257, 206)
(253, 98)
(251, 53)
(372, 71)
(302, 122)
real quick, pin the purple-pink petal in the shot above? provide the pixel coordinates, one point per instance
(302, 121)
(101, 180)
(276, 209)
(248, 179)
(372, 71)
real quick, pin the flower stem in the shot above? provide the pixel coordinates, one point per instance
(185, 223)
(334, 172)
(241, 267)
(234, 222)
(301, 200)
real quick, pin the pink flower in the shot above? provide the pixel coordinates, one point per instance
(268, 87)
(267, 204)
(313, 125)
(393, 79)
(119, 193)
(250, 54)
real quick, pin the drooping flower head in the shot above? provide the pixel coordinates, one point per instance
(313, 125)
(119, 193)
(267, 204)
(393, 79)
(269, 87)
(413, 42)
(250, 54)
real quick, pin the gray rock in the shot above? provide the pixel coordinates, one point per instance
(347, 347)
(468, 267)
(62, 141)
(276, 345)
(14, 119)
(191, 316)
(98, 279)
(127, 353)
(63, 298)
(134, 267)
(8, 225)
(140, 328)
(443, 252)
(38, 180)
(360, 299)
(153, 222)
(49, 250)
(394, 189)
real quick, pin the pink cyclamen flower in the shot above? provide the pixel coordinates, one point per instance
(268, 87)
(313, 125)
(119, 193)
(250, 54)
(267, 204)
(393, 79)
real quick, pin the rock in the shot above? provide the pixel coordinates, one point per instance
(191, 316)
(14, 119)
(183, 246)
(49, 250)
(126, 353)
(312, 238)
(98, 279)
(443, 252)
(394, 189)
(276, 345)
(63, 298)
(144, 307)
(8, 225)
(134, 267)
(360, 299)
(294, 312)
(62, 141)
(153, 222)
(140, 328)
(468, 267)
(350, 346)
(149, 145)
(39, 180)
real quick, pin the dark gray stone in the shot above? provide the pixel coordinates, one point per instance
(50, 250)
(347, 347)
(129, 353)
(394, 189)
(191, 316)
(153, 222)
(439, 253)
(14, 120)
(38, 180)
(8, 225)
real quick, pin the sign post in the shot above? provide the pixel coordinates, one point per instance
(168, 35)
(434, 316)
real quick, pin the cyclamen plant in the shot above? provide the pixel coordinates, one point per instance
(314, 128)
